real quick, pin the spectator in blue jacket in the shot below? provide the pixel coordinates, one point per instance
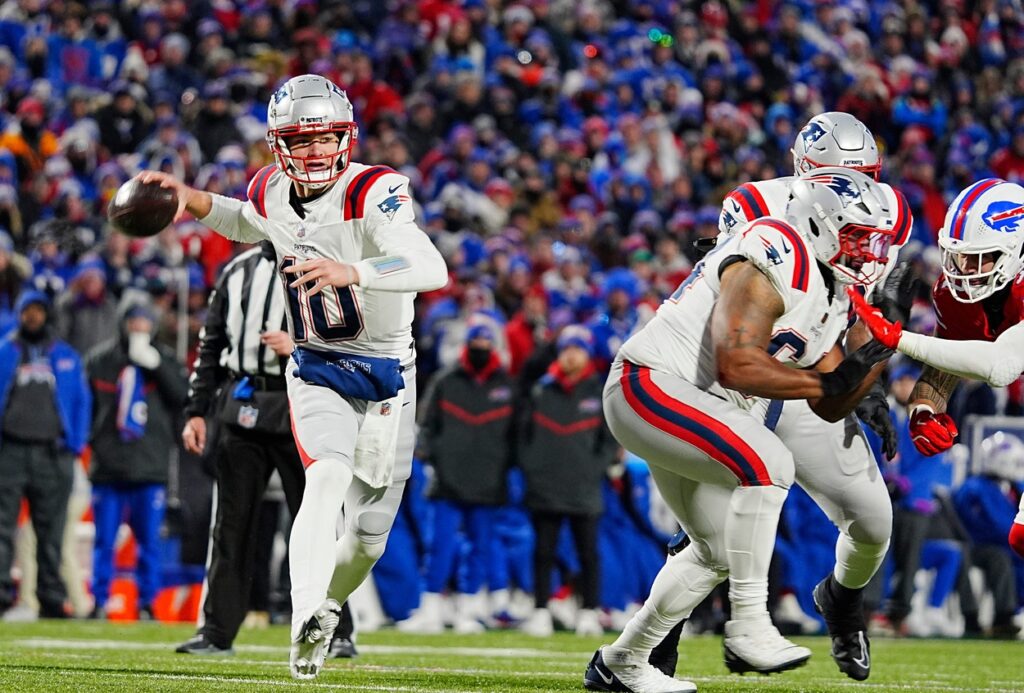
(987, 503)
(46, 414)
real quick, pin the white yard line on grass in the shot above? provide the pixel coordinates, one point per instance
(503, 652)
(251, 681)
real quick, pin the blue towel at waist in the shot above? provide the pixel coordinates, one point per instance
(370, 378)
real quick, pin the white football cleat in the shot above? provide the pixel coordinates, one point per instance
(614, 669)
(428, 618)
(588, 623)
(309, 649)
(757, 645)
(539, 624)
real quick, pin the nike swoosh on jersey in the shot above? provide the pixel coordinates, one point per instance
(391, 190)
(786, 247)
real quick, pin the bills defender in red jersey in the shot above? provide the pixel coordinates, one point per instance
(979, 302)
(351, 259)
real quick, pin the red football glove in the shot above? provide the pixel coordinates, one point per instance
(932, 433)
(888, 333)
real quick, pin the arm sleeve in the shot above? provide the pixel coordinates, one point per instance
(998, 363)
(408, 260)
(208, 373)
(234, 219)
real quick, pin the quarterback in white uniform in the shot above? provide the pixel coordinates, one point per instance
(833, 461)
(351, 259)
(762, 315)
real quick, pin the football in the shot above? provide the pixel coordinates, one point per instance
(142, 209)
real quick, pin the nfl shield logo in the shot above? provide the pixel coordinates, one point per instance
(247, 416)
(385, 409)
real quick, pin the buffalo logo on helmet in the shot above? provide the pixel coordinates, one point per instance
(1004, 216)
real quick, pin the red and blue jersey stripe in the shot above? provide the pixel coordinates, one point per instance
(358, 188)
(257, 192)
(904, 220)
(959, 221)
(750, 200)
(692, 426)
(802, 262)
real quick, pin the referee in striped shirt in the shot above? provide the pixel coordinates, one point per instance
(239, 379)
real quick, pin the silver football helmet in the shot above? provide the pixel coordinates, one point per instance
(836, 139)
(311, 105)
(844, 215)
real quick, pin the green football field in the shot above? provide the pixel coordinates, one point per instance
(86, 656)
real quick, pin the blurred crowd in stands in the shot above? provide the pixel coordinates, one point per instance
(564, 155)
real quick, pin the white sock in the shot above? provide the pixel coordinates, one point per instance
(682, 583)
(311, 552)
(856, 561)
(749, 543)
(354, 559)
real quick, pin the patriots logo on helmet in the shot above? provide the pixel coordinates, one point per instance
(729, 220)
(770, 251)
(811, 134)
(389, 207)
(840, 185)
(279, 95)
(1004, 216)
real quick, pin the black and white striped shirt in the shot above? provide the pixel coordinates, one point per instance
(247, 301)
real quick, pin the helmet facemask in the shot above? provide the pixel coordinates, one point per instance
(974, 275)
(326, 168)
(863, 251)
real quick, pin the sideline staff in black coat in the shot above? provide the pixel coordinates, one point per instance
(242, 351)
(565, 449)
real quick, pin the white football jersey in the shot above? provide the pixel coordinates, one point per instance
(678, 339)
(769, 198)
(365, 219)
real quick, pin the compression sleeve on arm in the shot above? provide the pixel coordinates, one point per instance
(408, 260)
(998, 363)
(231, 219)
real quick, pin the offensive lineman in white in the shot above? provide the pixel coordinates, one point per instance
(763, 315)
(833, 461)
(352, 259)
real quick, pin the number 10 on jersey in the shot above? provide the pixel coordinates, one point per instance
(310, 313)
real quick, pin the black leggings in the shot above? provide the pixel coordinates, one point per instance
(546, 528)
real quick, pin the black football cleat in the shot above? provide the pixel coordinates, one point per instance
(851, 648)
(199, 645)
(599, 678)
(342, 648)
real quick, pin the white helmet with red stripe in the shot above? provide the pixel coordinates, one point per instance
(836, 139)
(311, 105)
(844, 214)
(982, 239)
